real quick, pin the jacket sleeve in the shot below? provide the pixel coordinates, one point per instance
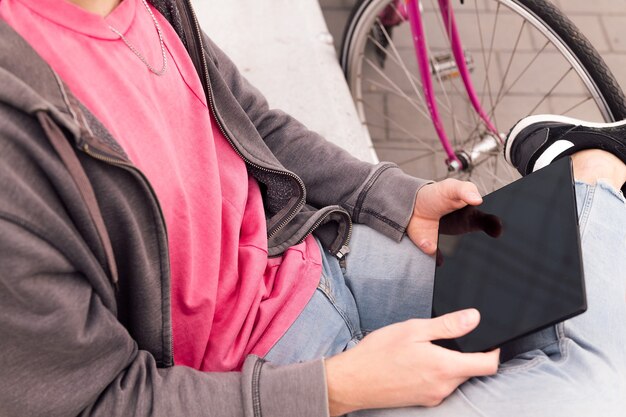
(65, 354)
(381, 196)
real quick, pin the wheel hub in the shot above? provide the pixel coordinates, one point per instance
(488, 145)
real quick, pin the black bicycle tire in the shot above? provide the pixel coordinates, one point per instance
(560, 25)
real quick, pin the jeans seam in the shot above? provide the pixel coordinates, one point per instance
(327, 291)
(324, 286)
(563, 341)
(468, 402)
(586, 208)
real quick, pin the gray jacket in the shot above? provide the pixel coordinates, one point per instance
(85, 323)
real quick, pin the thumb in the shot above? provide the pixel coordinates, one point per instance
(452, 325)
(462, 191)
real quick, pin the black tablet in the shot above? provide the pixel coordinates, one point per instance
(516, 258)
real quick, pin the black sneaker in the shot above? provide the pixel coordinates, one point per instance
(536, 141)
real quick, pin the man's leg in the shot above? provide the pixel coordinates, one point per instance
(578, 367)
(390, 281)
(574, 368)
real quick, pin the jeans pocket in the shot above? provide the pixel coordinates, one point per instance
(536, 348)
(523, 362)
(554, 352)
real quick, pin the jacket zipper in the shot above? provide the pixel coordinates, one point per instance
(292, 213)
(101, 156)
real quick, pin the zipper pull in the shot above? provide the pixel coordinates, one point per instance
(343, 252)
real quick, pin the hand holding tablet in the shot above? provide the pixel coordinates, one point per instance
(516, 258)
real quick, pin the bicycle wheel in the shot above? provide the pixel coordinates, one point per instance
(525, 58)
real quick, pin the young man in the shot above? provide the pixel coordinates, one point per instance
(107, 105)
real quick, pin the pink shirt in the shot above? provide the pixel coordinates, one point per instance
(228, 298)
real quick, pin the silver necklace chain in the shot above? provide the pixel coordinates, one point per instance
(139, 54)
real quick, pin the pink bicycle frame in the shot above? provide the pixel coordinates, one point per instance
(419, 41)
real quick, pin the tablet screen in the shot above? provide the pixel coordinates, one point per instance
(516, 258)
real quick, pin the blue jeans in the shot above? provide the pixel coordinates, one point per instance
(575, 368)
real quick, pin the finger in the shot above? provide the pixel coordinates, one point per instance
(463, 191)
(427, 243)
(475, 364)
(450, 326)
(424, 235)
(428, 246)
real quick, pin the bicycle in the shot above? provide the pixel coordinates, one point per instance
(413, 71)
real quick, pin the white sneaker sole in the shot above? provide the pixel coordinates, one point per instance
(527, 121)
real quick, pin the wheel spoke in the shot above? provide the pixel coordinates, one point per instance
(493, 108)
(413, 80)
(417, 158)
(511, 58)
(398, 90)
(491, 114)
(390, 96)
(401, 94)
(549, 92)
(487, 79)
(400, 148)
(399, 61)
(521, 74)
(402, 129)
(495, 177)
(509, 64)
(510, 171)
(575, 106)
(444, 33)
